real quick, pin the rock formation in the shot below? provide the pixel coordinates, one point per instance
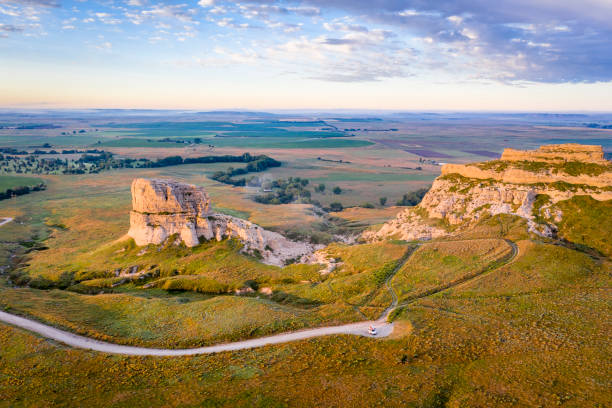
(164, 208)
(463, 194)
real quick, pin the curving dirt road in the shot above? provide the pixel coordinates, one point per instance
(5, 221)
(70, 339)
(358, 329)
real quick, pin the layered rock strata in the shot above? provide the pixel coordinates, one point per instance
(165, 208)
(463, 194)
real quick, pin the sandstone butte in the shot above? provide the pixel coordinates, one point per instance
(464, 193)
(162, 209)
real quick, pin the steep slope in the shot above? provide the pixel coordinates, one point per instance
(529, 184)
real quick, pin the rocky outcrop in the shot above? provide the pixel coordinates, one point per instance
(463, 194)
(165, 208)
(558, 153)
(513, 175)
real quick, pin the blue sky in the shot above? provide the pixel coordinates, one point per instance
(520, 55)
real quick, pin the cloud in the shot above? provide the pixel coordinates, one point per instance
(107, 18)
(41, 3)
(354, 56)
(206, 3)
(560, 41)
(8, 28)
(512, 41)
(106, 45)
(177, 11)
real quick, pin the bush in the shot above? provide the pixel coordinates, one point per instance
(337, 190)
(19, 278)
(194, 283)
(40, 282)
(413, 198)
(382, 201)
(336, 206)
(65, 280)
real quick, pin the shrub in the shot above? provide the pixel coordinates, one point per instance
(40, 282)
(413, 198)
(337, 190)
(336, 206)
(194, 283)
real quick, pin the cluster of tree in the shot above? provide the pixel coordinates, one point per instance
(412, 198)
(10, 150)
(195, 140)
(22, 190)
(15, 152)
(74, 132)
(255, 164)
(94, 161)
(294, 189)
(286, 191)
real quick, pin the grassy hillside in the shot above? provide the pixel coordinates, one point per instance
(438, 264)
(187, 297)
(496, 341)
(587, 222)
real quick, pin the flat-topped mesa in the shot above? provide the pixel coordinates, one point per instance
(163, 208)
(565, 163)
(569, 152)
(465, 193)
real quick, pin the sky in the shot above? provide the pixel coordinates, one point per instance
(502, 55)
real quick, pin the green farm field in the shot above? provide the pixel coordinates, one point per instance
(7, 182)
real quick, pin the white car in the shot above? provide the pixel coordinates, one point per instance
(372, 331)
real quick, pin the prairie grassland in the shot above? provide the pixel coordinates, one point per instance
(436, 264)
(192, 283)
(220, 261)
(77, 215)
(357, 279)
(538, 268)
(475, 345)
(587, 222)
(157, 319)
(498, 226)
(369, 215)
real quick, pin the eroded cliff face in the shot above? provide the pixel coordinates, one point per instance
(163, 208)
(520, 183)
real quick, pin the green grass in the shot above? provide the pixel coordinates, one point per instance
(219, 261)
(374, 177)
(149, 319)
(573, 168)
(588, 222)
(246, 142)
(7, 182)
(538, 268)
(438, 264)
(357, 280)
